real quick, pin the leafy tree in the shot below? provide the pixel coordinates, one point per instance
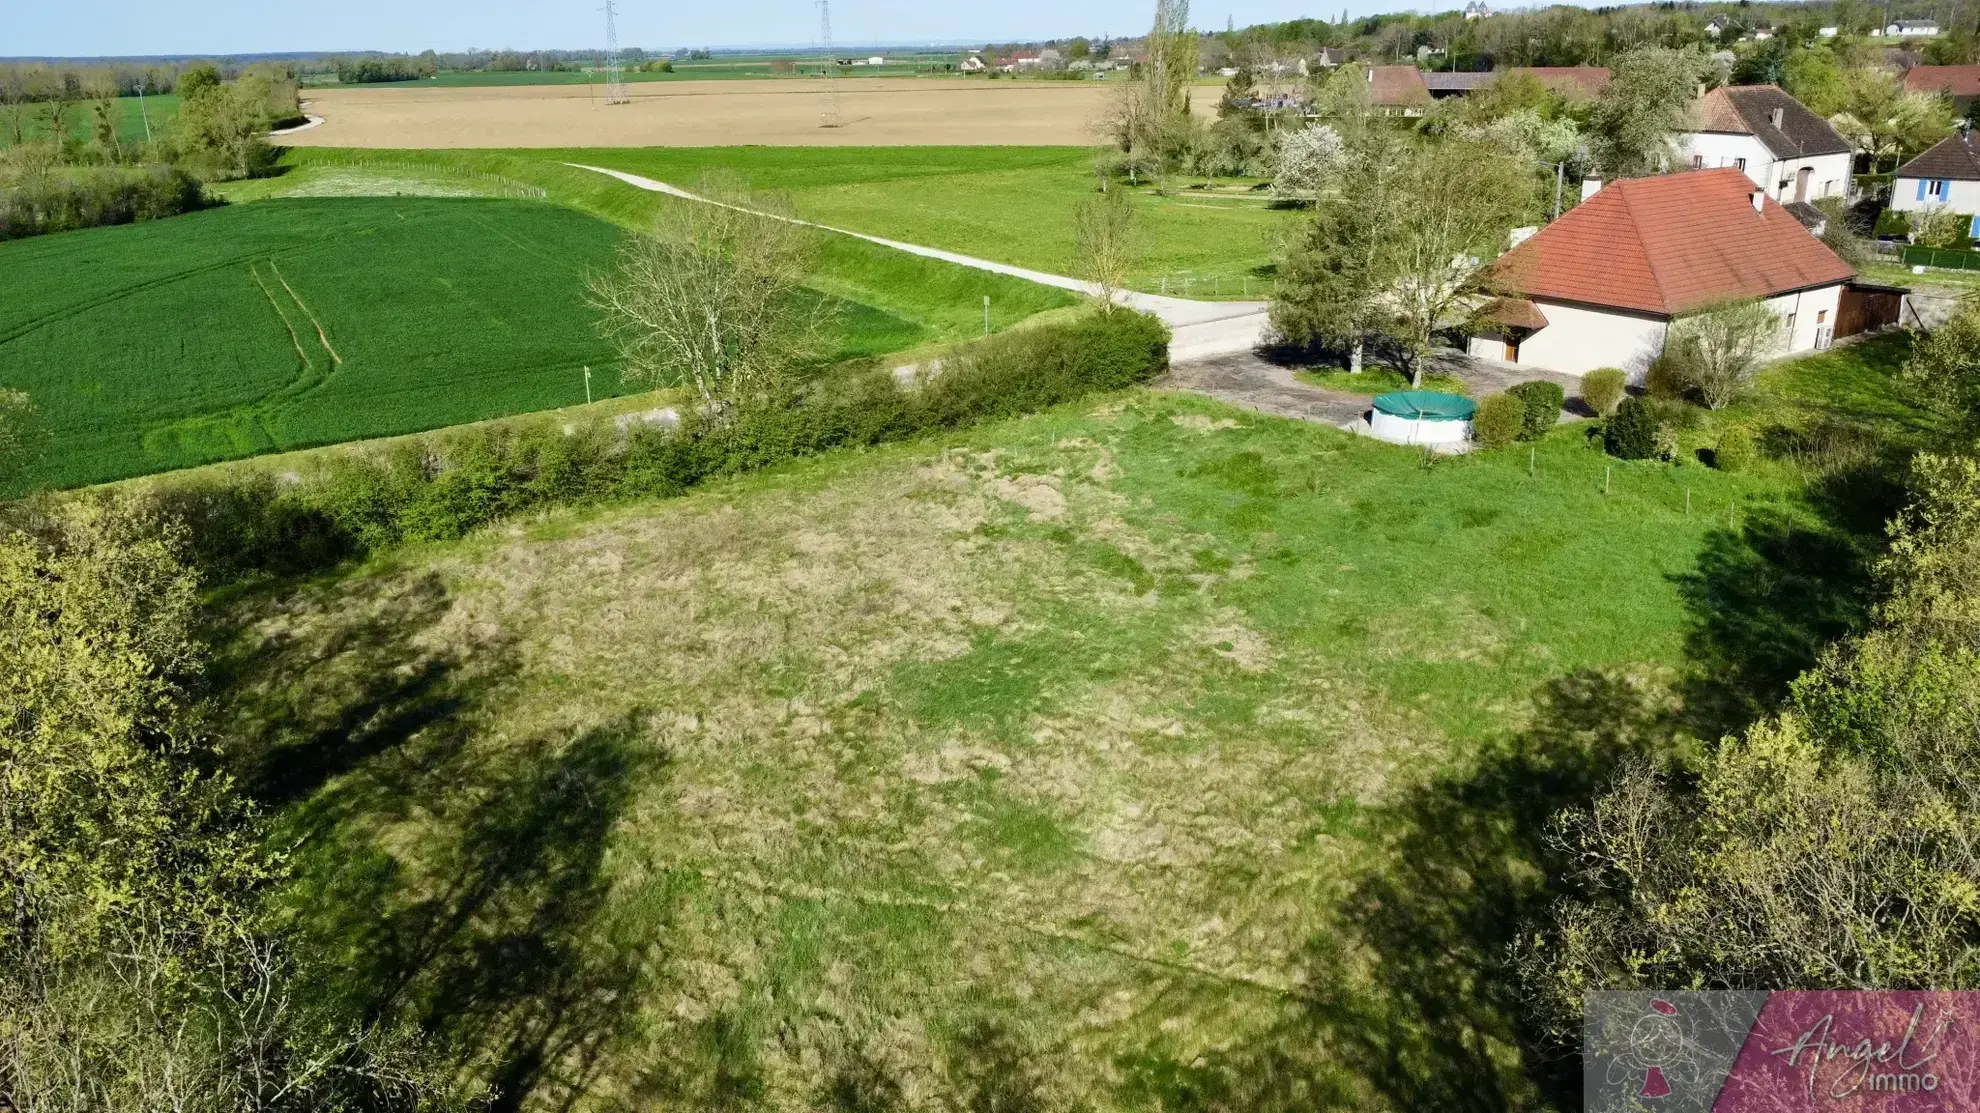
(197, 80)
(223, 126)
(1400, 252)
(1946, 363)
(714, 295)
(138, 969)
(1813, 76)
(1103, 242)
(1884, 121)
(1240, 93)
(1827, 847)
(1634, 124)
(1716, 351)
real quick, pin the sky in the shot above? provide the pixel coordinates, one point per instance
(98, 28)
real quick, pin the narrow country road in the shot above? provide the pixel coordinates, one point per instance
(1202, 329)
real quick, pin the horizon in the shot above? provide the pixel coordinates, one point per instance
(122, 30)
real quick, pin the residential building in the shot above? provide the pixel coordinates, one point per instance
(1476, 10)
(1600, 286)
(1911, 29)
(1716, 27)
(1827, 32)
(1773, 138)
(1573, 82)
(1961, 83)
(1946, 176)
(1398, 89)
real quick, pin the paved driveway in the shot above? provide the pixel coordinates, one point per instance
(1250, 381)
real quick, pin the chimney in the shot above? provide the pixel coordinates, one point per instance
(1759, 200)
(1590, 186)
(1777, 117)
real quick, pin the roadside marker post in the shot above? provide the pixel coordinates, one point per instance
(1608, 473)
(986, 314)
(587, 386)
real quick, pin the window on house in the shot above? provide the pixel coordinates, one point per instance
(1739, 164)
(1821, 316)
(1698, 162)
(1933, 189)
(1829, 188)
(1790, 324)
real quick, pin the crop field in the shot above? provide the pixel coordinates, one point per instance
(1147, 754)
(288, 323)
(1009, 204)
(723, 68)
(879, 112)
(131, 113)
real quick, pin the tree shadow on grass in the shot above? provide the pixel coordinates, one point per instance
(444, 875)
(1769, 595)
(1411, 1001)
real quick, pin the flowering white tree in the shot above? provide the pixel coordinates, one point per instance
(1308, 161)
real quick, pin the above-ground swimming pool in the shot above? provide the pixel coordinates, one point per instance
(1424, 417)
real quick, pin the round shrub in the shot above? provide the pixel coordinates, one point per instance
(1631, 434)
(1498, 421)
(1603, 389)
(1664, 379)
(1542, 403)
(1736, 451)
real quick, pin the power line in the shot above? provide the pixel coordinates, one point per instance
(615, 81)
(829, 111)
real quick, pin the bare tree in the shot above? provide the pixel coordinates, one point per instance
(1103, 241)
(1716, 351)
(714, 295)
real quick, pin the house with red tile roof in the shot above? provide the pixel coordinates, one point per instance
(1784, 147)
(1961, 83)
(1600, 286)
(1398, 89)
(1409, 90)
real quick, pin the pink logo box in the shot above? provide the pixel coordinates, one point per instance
(1791, 1051)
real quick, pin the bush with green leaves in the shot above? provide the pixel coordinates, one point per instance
(1631, 432)
(442, 486)
(1941, 228)
(1736, 451)
(1542, 402)
(1499, 420)
(1603, 389)
(90, 197)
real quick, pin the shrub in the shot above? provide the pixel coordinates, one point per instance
(1892, 222)
(1542, 401)
(1631, 434)
(1941, 228)
(1717, 351)
(443, 486)
(1736, 451)
(65, 200)
(1603, 388)
(1499, 420)
(1664, 446)
(1662, 379)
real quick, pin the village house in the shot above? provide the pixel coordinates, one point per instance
(1961, 83)
(1600, 286)
(1911, 29)
(1572, 82)
(1783, 147)
(1946, 176)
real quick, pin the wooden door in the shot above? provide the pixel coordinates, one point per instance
(1801, 177)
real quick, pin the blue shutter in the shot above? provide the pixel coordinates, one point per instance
(1921, 189)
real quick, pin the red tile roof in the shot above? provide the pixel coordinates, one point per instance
(1670, 244)
(1397, 86)
(1956, 81)
(1586, 81)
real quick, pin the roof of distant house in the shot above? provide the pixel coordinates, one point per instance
(1953, 157)
(1749, 110)
(1397, 86)
(1571, 81)
(1955, 81)
(1670, 244)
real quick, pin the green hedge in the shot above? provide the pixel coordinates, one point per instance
(1892, 222)
(65, 200)
(442, 486)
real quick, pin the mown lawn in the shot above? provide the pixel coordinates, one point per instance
(1143, 754)
(1009, 204)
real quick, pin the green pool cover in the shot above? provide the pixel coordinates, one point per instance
(1426, 405)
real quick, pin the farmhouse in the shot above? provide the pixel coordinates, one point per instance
(1961, 83)
(1912, 29)
(1572, 82)
(1947, 175)
(1600, 286)
(1783, 147)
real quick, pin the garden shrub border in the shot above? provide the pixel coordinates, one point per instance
(440, 486)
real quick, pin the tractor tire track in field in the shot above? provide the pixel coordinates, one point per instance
(300, 304)
(14, 333)
(308, 367)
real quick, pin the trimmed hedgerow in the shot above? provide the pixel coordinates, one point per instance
(442, 486)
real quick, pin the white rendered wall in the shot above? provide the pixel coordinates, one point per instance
(1828, 174)
(1578, 339)
(1813, 310)
(1961, 197)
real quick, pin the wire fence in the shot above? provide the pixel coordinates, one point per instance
(1187, 284)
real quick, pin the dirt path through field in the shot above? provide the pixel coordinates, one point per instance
(1202, 328)
(785, 113)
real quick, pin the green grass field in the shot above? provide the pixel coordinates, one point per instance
(1009, 204)
(131, 115)
(288, 323)
(1147, 754)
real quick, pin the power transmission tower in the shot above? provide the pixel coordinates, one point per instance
(829, 112)
(615, 81)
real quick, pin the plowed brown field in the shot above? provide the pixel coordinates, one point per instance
(783, 113)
